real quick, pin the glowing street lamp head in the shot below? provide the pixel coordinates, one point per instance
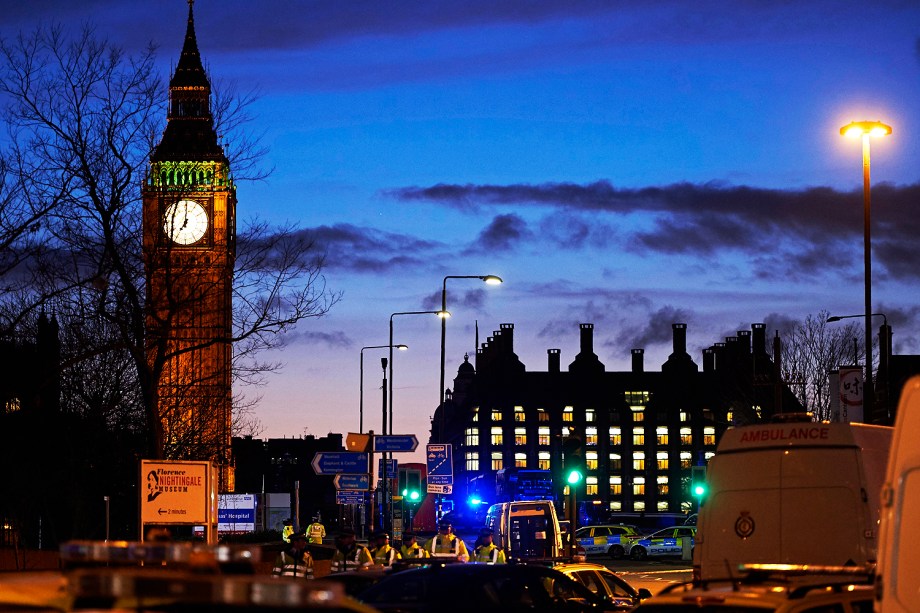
(443, 314)
(401, 347)
(492, 280)
(861, 128)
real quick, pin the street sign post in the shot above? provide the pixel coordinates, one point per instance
(395, 443)
(334, 462)
(391, 468)
(440, 467)
(352, 482)
(349, 497)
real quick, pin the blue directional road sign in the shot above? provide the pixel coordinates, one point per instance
(392, 465)
(353, 482)
(349, 497)
(334, 462)
(440, 465)
(395, 442)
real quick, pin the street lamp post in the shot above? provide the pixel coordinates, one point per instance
(489, 279)
(361, 401)
(441, 313)
(867, 129)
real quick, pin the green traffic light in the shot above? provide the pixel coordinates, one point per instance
(414, 495)
(699, 490)
(574, 477)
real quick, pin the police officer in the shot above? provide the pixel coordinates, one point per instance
(410, 549)
(348, 554)
(383, 553)
(295, 560)
(287, 530)
(446, 544)
(316, 531)
(487, 552)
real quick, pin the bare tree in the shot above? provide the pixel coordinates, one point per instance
(82, 119)
(813, 348)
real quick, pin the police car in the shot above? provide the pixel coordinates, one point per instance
(610, 539)
(665, 542)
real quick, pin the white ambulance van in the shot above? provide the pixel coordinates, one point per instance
(898, 572)
(526, 530)
(792, 492)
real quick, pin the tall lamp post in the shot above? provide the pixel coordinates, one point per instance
(490, 280)
(361, 402)
(867, 129)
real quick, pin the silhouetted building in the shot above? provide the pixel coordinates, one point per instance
(641, 431)
(275, 464)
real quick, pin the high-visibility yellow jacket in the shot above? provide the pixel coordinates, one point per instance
(448, 546)
(316, 532)
(291, 564)
(490, 554)
(286, 533)
(385, 555)
(409, 553)
(351, 560)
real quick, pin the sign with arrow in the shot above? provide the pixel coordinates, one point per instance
(440, 468)
(334, 462)
(360, 482)
(395, 442)
(349, 497)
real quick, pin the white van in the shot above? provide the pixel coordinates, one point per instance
(793, 492)
(898, 572)
(526, 530)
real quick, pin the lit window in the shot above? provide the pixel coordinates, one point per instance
(636, 400)
(616, 461)
(543, 435)
(639, 486)
(616, 505)
(707, 455)
(663, 505)
(639, 460)
(685, 437)
(661, 436)
(638, 437)
(591, 460)
(475, 413)
(13, 405)
(638, 415)
(686, 459)
(496, 414)
(757, 411)
(497, 463)
(518, 413)
(662, 460)
(730, 417)
(542, 415)
(616, 486)
(543, 462)
(472, 437)
(472, 461)
(709, 436)
(616, 437)
(496, 435)
(591, 486)
(639, 506)
(591, 436)
(684, 416)
(589, 415)
(568, 414)
(520, 460)
(662, 486)
(520, 436)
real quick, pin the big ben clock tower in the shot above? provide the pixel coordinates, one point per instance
(189, 228)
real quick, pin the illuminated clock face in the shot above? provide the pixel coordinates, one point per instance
(186, 222)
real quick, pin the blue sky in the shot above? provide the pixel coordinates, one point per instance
(629, 164)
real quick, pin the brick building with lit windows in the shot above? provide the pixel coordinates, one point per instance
(641, 431)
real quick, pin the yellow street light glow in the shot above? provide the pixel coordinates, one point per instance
(859, 128)
(401, 347)
(444, 314)
(492, 280)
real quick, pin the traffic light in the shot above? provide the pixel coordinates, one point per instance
(698, 487)
(413, 491)
(573, 461)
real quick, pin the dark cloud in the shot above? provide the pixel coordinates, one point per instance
(359, 249)
(795, 232)
(657, 331)
(338, 340)
(503, 234)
